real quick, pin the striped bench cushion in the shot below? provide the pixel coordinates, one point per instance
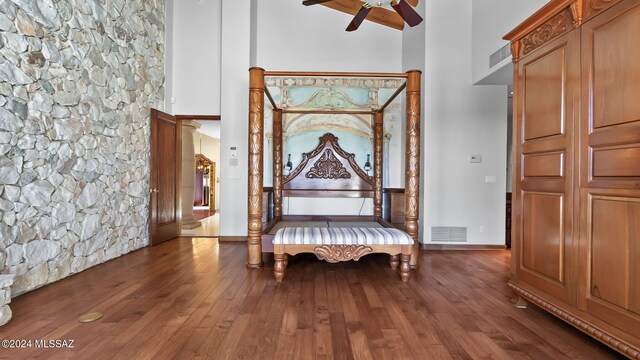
(342, 236)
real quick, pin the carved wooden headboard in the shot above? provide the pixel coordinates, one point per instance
(328, 171)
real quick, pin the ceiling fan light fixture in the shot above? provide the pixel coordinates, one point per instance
(406, 12)
(313, 2)
(360, 16)
(401, 7)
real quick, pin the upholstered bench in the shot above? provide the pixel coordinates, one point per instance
(342, 244)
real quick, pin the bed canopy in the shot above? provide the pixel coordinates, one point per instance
(328, 170)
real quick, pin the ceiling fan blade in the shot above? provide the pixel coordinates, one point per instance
(410, 16)
(359, 18)
(313, 2)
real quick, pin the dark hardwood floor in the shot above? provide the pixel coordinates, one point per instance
(194, 298)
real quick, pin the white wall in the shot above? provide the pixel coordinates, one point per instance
(460, 120)
(168, 56)
(312, 38)
(492, 19)
(196, 57)
(236, 53)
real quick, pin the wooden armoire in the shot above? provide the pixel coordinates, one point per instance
(576, 197)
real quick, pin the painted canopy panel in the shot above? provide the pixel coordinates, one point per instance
(307, 93)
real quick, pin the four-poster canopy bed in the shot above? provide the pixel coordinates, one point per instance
(330, 171)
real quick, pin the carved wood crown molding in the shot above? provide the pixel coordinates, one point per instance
(600, 4)
(328, 167)
(576, 13)
(336, 253)
(328, 137)
(556, 26)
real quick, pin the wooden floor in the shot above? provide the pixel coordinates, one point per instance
(195, 299)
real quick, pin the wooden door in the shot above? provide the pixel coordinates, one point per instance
(610, 171)
(166, 148)
(547, 94)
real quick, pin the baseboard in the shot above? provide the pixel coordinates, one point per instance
(232, 238)
(461, 247)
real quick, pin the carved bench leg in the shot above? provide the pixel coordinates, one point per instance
(405, 268)
(286, 260)
(279, 267)
(394, 262)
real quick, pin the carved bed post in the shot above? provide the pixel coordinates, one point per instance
(378, 131)
(412, 162)
(277, 164)
(256, 135)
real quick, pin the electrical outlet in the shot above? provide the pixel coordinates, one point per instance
(482, 228)
(475, 159)
(490, 179)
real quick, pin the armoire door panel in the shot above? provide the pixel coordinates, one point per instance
(546, 144)
(628, 133)
(616, 81)
(610, 124)
(619, 162)
(613, 292)
(543, 219)
(542, 235)
(549, 185)
(609, 249)
(544, 95)
(543, 165)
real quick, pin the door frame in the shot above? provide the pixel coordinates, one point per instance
(180, 119)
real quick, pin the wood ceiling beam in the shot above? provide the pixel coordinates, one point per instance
(377, 15)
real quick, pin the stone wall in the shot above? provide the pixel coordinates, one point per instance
(5, 298)
(77, 80)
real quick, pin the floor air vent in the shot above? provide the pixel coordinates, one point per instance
(499, 55)
(448, 234)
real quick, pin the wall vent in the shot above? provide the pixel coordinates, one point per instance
(503, 53)
(448, 234)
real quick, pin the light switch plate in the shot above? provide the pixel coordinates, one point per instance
(490, 179)
(475, 158)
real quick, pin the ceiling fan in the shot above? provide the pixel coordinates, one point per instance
(405, 10)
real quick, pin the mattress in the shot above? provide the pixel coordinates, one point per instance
(341, 236)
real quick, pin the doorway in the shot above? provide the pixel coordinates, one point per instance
(200, 176)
